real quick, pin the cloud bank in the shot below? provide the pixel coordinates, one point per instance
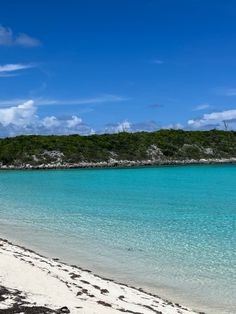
(23, 119)
(7, 38)
(213, 119)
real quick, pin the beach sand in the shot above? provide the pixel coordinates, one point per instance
(31, 283)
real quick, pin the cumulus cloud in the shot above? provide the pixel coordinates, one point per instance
(7, 38)
(19, 116)
(126, 126)
(50, 122)
(23, 119)
(173, 126)
(74, 122)
(213, 119)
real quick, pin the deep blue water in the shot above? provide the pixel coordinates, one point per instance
(170, 229)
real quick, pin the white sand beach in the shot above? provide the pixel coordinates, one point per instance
(31, 283)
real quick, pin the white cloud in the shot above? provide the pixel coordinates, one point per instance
(173, 126)
(73, 122)
(214, 118)
(127, 126)
(81, 101)
(50, 122)
(107, 98)
(18, 116)
(124, 126)
(23, 119)
(7, 38)
(14, 67)
(201, 107)
(11, 69)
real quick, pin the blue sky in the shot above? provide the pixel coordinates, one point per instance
(107, 66)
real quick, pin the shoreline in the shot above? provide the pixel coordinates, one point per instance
(120, 164)
(30, 280)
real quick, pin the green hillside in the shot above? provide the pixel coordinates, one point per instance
(155, 146)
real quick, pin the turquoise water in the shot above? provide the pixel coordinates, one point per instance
(170, 230)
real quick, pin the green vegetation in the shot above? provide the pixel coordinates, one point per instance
(161, 145)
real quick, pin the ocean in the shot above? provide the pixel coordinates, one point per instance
(170, 230)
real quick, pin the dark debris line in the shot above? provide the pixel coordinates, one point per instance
(19, 304)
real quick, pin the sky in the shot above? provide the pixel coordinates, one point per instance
(89, 66)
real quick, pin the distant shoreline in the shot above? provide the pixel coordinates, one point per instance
(119, 164)
(119, 150)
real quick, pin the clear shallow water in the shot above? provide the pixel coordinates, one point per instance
(171, 230)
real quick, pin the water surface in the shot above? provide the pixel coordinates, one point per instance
(170, 230)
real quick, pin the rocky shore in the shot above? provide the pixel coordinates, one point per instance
(118, 164)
